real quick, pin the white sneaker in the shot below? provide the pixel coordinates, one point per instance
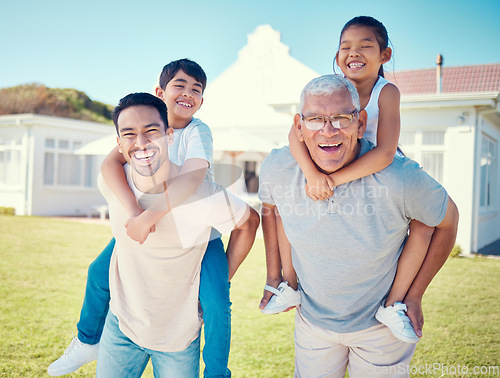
(395, 318)
(283, 298)
(76, 355)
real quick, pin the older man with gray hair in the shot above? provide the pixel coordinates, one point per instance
(345, 249)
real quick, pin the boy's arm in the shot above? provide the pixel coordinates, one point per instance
(273, 261)
(387, 141)
(114, 176)
(440, 247)
(241, 240)
(192, 174)
(319, 185)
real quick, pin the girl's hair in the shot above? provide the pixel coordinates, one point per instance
(378, 29)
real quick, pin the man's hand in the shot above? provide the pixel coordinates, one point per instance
(319, 187)
(414, 312)
(138, 229)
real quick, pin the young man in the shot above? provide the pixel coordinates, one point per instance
(154, 285)
(181, 86)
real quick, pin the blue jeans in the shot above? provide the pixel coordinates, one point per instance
(118, 356)
(214, 300)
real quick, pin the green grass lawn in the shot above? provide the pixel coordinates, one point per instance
(43, 267)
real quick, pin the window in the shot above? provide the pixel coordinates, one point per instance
(406, 143)
(407, 138)
(63, 144)
(427, 148)
(433, 138)
(432, 162)
(11, 167)
(69, 170)
(63, 167)
(488, 169)
(49, 169)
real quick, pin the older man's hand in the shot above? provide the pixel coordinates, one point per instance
(414, 312)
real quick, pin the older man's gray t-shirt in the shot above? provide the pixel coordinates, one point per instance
(345, 250)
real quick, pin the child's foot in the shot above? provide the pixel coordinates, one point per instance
(75, 356)
(395, 318)
(284, 297)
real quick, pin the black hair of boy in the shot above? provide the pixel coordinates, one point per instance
(140, 99)
(190, 67)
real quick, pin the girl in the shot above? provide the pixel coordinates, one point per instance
(363, 49)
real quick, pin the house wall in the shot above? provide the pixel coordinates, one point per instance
(50, 189)
(459, 181)
(453, 132)
(14, 153)
(454, 142)
(56, 199)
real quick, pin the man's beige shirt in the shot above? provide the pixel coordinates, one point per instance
(154, 286)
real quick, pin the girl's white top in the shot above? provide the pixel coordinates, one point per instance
(373, 111)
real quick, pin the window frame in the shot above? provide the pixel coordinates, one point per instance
(58, 148)
(490, 156)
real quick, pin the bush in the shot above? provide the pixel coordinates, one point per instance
(7, 211)
(456, 251)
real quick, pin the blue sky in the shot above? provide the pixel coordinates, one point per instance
(111, 48)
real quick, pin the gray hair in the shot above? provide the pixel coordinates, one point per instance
(326, 85)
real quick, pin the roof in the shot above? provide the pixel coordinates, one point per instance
(30, 119)
(459, 79)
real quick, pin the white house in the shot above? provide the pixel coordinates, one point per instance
(450, 118)
(256, 96)
(450, 122)
(39, 172)
(258, 92)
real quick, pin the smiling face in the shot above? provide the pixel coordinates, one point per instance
(359, 56)
(183, 96)
(331, 148)
(143, 142)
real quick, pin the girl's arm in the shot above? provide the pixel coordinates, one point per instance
(192, 174)
(319, 186)
(114, 176)
(382, 155)
(273, 262)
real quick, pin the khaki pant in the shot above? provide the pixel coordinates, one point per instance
(368, 353)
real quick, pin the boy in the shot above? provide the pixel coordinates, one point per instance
(181, 87)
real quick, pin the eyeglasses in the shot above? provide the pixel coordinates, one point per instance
(339, 121)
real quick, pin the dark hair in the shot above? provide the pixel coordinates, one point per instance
(378, 29)
(191, 68)
(140, 99)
